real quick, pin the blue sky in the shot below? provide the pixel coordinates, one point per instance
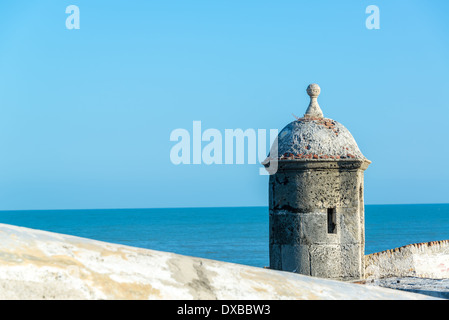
(86, 115)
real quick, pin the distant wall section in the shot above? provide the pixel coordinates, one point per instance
(422, 260)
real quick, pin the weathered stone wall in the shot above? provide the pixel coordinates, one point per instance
(301, 193)
(423, 260)
(42, 265)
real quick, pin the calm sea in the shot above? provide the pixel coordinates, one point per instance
(238, 235)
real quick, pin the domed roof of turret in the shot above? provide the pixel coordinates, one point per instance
(316, 137)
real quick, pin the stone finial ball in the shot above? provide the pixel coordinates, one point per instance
(313, 90)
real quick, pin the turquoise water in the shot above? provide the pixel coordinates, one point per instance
(237, 235)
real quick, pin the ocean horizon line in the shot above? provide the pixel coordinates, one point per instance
(204, 207)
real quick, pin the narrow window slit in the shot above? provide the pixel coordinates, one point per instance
(331, 221)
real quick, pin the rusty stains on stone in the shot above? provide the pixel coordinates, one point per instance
(310, 138)
(422, 245)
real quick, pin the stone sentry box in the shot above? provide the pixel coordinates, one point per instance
(316, 198)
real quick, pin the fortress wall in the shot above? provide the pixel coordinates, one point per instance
(422, 260)
(43, 265)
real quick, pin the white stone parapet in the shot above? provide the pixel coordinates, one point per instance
(43, 265)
